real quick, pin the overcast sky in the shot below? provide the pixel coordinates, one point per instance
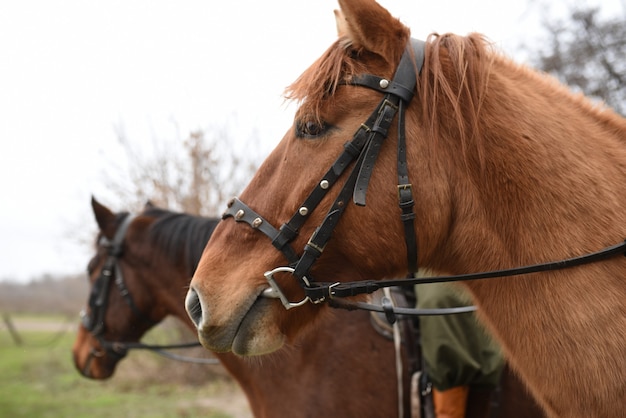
(74, 71)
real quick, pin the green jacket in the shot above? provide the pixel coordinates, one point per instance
(457, 349)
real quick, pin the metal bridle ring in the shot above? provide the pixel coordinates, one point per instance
(275, 292)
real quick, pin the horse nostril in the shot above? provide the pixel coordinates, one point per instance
(193, 306)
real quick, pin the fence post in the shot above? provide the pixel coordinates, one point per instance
(12, 330)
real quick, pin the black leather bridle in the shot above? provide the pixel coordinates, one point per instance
(364, 148)
(93, 319)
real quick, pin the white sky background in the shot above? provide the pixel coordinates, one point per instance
(72, 71)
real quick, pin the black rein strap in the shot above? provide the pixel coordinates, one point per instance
(342, 290)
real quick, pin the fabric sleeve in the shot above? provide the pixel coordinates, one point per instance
(457, 349)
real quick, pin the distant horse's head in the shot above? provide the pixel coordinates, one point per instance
(138, 276)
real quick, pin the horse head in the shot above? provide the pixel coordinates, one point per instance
(228, 300)
(121, 306)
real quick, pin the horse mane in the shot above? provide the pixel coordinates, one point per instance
(459, 74)
(180, 236)
(452, 87)
(320, 80)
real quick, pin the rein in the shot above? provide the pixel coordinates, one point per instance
(159, 349)
(94, 321)
(368, 286)
(364, 148)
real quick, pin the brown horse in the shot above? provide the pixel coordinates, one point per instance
(345, 367)
(509, 168)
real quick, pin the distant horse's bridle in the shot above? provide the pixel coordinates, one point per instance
(93, 320)
(364, 148)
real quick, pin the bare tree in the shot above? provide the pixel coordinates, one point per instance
(195, 175)
(589, 54)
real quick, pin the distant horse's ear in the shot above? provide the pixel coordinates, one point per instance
(368, 25)
(104, 217)
(149, 205)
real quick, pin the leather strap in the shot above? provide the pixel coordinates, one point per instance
(377, 136)
(314, 248)
(340, 290)
(405, 198)
(375, 82)
(400, 89)
(241, 212)
(93, 321)
(399, 93)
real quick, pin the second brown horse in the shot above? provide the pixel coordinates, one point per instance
(341, 367)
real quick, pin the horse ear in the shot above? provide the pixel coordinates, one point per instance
(342, 25)
(104, 217)
(149, 205)
(368, 25)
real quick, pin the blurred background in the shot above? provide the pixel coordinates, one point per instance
(178, 103)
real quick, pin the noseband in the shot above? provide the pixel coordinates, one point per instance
(364, 148)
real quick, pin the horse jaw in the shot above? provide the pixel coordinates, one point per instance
(257, 333)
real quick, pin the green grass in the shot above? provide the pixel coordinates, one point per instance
(38, 379)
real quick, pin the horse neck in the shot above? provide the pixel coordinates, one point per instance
(164, 280)
(542, 181)
(540, 162)
(173, 247)
(167, 291)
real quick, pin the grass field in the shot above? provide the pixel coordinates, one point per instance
(38, 379)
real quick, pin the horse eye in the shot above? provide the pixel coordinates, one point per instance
(310, 129)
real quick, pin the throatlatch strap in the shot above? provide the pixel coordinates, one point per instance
(121, 287)
(408, 70)
(405, 198)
